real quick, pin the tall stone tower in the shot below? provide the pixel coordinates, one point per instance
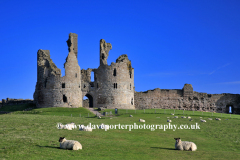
(114, 84)
(53, 90)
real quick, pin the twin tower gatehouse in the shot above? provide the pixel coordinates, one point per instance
(113, 85)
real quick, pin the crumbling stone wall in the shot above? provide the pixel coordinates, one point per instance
(86, 103)
(53, 90)
(11, 101)
(187, 99)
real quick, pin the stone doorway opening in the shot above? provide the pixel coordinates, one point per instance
(88, 101)
(230, 109)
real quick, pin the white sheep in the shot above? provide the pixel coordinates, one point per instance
(89, 129)
(209, 118)
(103, 126)
(99, 117)
(189, 117)
(176, 117)
(218, 119)
(85, 128)
(61, 126)
(131, 116)
(172, 114)
(141, 120)
(191, 120)
(183, 117)
(185, 145)
(203, 120)
(71, 125)
(169, 120)
(69, 144)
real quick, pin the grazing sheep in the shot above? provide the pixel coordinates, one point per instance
(69, 144)
(176, 117)
(99, 117)
(167, 117)
(203, 120)
(71, 125)
(185, 145)
(85, 128)
(141, 120)
(103, 126)
(218, 119)
(61, 126)
(169, 120)
(172, 114)
(191, 120)
(188, 117)
(209, 118)
(89, 129)
(131, 116)
(200, 117)
(183, 117)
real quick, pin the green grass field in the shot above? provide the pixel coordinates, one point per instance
(33, 135)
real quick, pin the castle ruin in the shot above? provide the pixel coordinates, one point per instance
(113, 86)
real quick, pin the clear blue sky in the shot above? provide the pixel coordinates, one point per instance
(169, 42)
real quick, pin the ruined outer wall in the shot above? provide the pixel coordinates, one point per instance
(11, 101)
(175, 99)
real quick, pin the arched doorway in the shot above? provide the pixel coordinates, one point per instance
(88, 101)
(230, 109)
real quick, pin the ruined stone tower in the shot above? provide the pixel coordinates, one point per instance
(53, 90)
(114, 83)
(113, 86)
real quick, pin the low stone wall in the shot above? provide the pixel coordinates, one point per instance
(10, 101)
(86, 103)
(175, 99)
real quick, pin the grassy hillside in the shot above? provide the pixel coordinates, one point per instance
(35, 136)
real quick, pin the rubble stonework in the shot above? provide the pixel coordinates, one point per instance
(113, 86)
(11, 101)
(195, 101)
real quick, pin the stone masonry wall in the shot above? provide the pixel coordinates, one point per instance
(52, 90)
(114, 84)
(11, 101)
(175, 99)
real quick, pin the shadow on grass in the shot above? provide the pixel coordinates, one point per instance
(162, 148)
(48, 147)
(92, 117)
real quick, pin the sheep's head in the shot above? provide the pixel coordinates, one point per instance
(61, 139)
(177, 140)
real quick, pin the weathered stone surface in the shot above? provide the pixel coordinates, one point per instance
(104, 49)
(72, 43)
(11, 101)
(187, 99)
(52, 90)
(113, 85)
